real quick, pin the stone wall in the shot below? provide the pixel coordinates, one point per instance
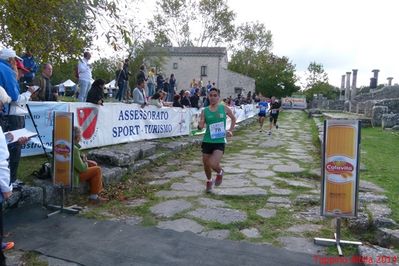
(386, 92)
(326, 104)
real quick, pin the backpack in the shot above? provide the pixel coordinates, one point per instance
(44, 171)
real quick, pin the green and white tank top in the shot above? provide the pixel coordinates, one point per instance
(215, 125)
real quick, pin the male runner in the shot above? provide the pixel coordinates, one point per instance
(274, 110)
(263, 106)
(214, 118)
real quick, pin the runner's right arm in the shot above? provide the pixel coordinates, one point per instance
(201, 123)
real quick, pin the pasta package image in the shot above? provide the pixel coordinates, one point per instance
(340, 168)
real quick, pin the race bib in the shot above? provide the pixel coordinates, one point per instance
(217, 130)
(274, 111)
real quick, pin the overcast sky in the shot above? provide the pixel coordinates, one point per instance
(339, 34)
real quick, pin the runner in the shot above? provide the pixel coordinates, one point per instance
(274, 110)
(214, 116)
(263, 106)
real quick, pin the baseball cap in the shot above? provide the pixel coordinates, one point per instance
(21, 66)
(6, 53)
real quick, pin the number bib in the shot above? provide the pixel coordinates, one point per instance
(217, 130)
(274, 111)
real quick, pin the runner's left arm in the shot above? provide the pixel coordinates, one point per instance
(230, 114)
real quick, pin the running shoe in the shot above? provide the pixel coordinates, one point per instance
(208, 186)
(269, 133)
(219, 178)
(276, 126)
(7, 246)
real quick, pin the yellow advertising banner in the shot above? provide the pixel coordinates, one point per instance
(340, 168)
(63, 149)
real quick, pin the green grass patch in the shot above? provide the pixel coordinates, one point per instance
(380, 156)
(32, 258)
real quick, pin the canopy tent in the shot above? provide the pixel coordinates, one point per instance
(68, 83)
(111, 84)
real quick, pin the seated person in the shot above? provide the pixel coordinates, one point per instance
(96, 92)
(156, 100)
(86, 170)
(176, 101)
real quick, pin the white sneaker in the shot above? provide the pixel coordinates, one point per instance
(269, 133)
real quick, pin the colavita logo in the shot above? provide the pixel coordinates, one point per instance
(62, 149)
(339, 167)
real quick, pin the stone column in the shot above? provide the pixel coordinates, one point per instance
(390, 81)
(375, 71)
(342, 89)
(348, 86)
(354, 80)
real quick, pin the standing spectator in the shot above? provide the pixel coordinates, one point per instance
(141, 74)
(5, 191)
(160, 81)
(138, 93)
(61, 89)
(31, 65)
(195, 99)
(208, 87)
(166, 86)
(84, 70)
(126, 89)
(96, 92)
(172, 85)
(185, 101)
(46, 91)
(151, 82)
(120, 79)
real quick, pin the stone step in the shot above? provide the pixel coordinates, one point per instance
(123, 155)
(387, 238)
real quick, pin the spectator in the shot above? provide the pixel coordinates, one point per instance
(31, 65)
(120, 79)
(85, 77)
(195, 99)
(208, 87)
(13, 120)
(86, 170)
(96, 92)
(160, 81)
(156, 100)
(171, 89)
(151, 82)
(138, 94)
(5, 191)
(126, 90)
(185, 101)
(176, 101)
(61, 90)
(46, 91)
(141, 74)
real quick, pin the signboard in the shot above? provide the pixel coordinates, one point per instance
(340, 168)
(294, 102)
(63, 149)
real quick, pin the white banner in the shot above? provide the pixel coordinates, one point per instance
(42, 113)
(116, 123)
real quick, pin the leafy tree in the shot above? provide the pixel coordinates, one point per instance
(252, 57)
(317, 83)
(315, 75)
(57, 30)
(174, 19)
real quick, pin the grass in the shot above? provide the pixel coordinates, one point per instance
(380, 150)
(32, 259)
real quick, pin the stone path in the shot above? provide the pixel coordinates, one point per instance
(269, 192)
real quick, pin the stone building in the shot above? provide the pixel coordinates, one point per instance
(206, 63)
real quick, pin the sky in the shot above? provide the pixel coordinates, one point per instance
(339, 34)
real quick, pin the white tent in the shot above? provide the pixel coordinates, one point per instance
(111, 84)
(69, 83)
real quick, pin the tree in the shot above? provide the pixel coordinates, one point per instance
(252, 57)
(57, 30)
(174, 21)
(315, 74)
(317, 83)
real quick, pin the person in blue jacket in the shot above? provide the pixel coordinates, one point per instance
(31, 65)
